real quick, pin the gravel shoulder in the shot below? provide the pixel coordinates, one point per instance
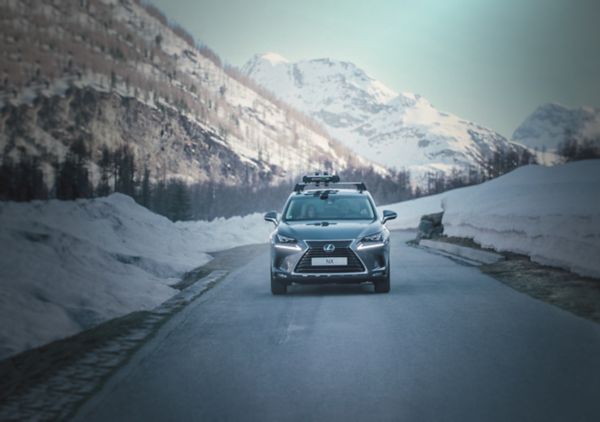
(571, 292)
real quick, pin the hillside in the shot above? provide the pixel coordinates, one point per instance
(103, 74)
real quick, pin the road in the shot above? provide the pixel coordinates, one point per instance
(448, 343)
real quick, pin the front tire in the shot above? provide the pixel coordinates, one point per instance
(277, 287)
(383, 286)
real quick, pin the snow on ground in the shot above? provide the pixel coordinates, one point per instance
(68, 265)
(410, 212)
(225, 233)
(551, 214)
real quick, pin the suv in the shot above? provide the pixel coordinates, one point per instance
(329, 232)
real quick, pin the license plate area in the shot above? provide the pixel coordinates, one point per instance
(330, 261)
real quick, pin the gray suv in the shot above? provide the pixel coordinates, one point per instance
(329, 232)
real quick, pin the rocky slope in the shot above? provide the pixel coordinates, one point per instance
(116, 72)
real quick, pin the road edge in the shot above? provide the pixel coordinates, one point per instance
(558, 287)
(60, 395)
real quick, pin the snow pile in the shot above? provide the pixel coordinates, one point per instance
(410, 212)
(68, 265)
(225, 233)
(551, 214)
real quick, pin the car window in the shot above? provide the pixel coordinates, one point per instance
(310, 207)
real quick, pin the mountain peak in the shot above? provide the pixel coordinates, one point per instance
(287, 79)
(551, 123)
(395, 129)
(273, 58)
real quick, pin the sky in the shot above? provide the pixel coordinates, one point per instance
(489, 61)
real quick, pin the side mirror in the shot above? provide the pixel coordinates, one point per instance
(388, 215)
(271, 216)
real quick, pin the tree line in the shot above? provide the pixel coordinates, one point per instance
(25, 180)
(574, 148)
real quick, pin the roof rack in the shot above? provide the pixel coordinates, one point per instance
(327, 179)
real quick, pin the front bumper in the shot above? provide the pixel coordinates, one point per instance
(285, 260)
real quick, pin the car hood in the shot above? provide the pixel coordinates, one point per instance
(330, 230)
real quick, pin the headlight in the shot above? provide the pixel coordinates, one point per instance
(284, 242)
(371, 241)
(284, 239)
(377, 237)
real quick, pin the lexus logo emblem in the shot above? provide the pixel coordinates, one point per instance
(329, 248)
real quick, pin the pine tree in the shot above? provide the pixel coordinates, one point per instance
(6, 177)
(179, 200)
(72, 178)
(146, 188)
(124, 169)
(103, 188)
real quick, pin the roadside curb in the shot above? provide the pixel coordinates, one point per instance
(58, 396)
(188, 294)
(469, 255)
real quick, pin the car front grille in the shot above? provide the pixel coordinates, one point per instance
(342, 249)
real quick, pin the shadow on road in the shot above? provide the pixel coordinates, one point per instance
(330, 289)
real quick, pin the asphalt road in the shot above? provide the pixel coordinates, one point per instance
(448, 343)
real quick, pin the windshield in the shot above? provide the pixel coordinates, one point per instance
(310, 207)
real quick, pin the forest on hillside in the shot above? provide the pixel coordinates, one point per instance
(24, 180)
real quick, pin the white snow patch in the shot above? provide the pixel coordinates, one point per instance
(274, 58)
(225, 233)
(551, 214)
(69, 265)
(410, 212)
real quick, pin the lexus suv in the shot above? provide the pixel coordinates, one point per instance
(329, 232)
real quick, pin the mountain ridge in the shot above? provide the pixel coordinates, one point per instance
(149, 63)
(396, 129)
(552, 123)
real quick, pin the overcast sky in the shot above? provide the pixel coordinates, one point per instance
(489, 61)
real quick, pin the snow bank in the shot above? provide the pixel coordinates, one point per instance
(68, 265)
(551, 214)
(410, 212)
(225, 233)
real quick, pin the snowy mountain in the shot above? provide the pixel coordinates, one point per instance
(394, 129)
(552, 123)
(115, 72)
